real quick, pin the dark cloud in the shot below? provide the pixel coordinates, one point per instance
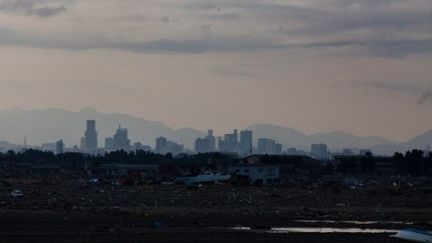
(389, 48)
(384, 48)
(424, 93)
(12, 37)
(387, 28)
(39, 8)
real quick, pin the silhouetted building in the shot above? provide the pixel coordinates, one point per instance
(207, 144)
(246, 142)
(229, 143)
(347, 151)
(90, 136)
(109, 144)
(164, 146)
(365, 152)
(82, 144)
(291, 151)
(268, 146)
(320, 151)
(140, 146)
(49, 147)
(121, 140)
(161, 145)
(59, 147)
(201, 145)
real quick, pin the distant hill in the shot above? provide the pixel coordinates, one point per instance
(49, 125)
(290, 137)
(336, 139)
(419, 141)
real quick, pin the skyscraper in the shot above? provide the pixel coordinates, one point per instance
(211, 141)
(59, 147)
(207, 144)
(121, 140)
(245, 144)
(229, 143)
(164, 146)
(90, 135)
(319, 151)
(268, 146)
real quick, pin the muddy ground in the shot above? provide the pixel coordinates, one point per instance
(71, 211)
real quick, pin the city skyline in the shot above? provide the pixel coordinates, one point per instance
(70, 125)
(220, 131)
(238, 142)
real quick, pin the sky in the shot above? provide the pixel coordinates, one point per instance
(360, 66)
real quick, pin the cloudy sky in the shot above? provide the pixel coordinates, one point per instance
(361, 66)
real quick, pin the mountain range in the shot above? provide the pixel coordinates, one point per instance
(49, 125)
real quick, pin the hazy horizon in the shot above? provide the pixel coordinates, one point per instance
(65, 123)
(362, 67)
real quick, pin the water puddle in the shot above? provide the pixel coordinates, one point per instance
(353, 222)
(323, 230)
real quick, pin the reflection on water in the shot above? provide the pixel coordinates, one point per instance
(330, 230)
(283, 230)
(353, 222)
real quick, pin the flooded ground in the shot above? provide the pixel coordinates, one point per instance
(321, 230)
(52, 226)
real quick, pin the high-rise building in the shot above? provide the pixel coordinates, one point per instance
(82, 144)
(229, 143)
(121, 140)
(268, 146)
(245, 144)
(320, 151)
(364, 152)
(49, 147)
(207, 144)
(201, 145)
(109, 144)
(164, 146)
(139, 146)
(59, 147)
(90, 141)
(211, 141)
(348, 151)
(161, 145)
(291, 151)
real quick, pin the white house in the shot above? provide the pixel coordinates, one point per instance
(257, 173)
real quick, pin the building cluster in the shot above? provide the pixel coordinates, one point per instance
(165, 146)
(119, 141)
(241, 143)
(230, 143)
(268, 146)
(207, 144)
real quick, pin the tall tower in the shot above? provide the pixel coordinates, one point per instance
(211, 140)
(91, 141)
(245, 147)
(120, 139)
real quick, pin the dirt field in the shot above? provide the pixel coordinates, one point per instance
(76, 212)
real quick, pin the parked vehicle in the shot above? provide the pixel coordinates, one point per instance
(17, 193)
